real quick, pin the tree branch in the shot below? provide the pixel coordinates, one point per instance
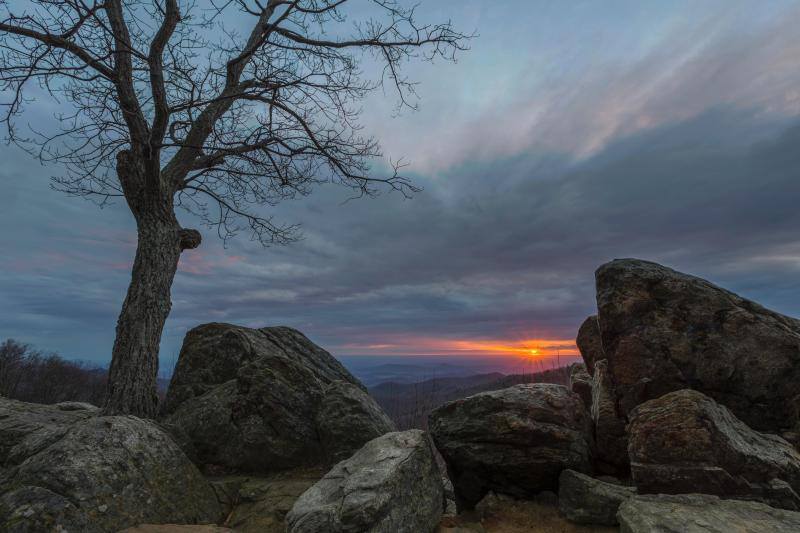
(156, 64)
(63, 43)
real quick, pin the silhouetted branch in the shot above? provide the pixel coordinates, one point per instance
(211, 117)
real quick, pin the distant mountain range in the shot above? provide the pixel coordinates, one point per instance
(409, 404)
(377, 369)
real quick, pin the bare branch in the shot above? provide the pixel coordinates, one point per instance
(170, 108)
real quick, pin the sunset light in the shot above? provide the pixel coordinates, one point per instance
(409, 345)
(546, 347)
(347, 249)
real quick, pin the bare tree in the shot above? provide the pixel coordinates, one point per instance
(168, 109)
(33, 376)
(12, 366)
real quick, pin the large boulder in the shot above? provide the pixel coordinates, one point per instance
(700, 513)
(611, 439)
(259, 400)
(348, 416)
(514, 441)
(590, 343)
(22, 422)
(686, 442)
(580, 382)
(585, 500)
(77, 471)
(391, 485)
(663, 331)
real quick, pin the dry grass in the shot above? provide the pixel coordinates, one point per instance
(504, 515)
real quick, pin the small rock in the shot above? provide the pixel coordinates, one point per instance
(580, 382)
(589, 343)
(77, 406)
(586, 500)
(391, 485)
(450, 507)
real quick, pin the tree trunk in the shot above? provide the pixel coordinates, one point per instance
(132, 387)
(134, 363)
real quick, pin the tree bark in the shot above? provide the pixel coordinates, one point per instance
(134, 363)
(132, 386)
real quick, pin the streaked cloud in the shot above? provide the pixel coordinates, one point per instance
(573, 134)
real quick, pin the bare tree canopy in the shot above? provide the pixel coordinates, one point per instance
(169, 106)
(229, 123)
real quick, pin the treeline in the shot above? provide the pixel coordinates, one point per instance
(29, 375)
(409, 404)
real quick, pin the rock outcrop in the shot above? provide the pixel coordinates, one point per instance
(176, 528)
(81, 472)
(391, 485)
(611, 439)
(663, 331)
(254, 400)
(698, 513)
(585, 500)
(513, 441)
(76, 406)
(685, 442)
(590, 343)
(22, 422)
(348, 415)
(580, 382)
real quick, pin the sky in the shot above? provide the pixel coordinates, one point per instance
(572, 133)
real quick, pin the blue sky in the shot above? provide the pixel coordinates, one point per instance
(572, 133)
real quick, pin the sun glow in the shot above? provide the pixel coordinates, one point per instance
(523, 348)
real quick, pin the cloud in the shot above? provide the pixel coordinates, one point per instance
(513, 256)
(575, 97)
(684, 154)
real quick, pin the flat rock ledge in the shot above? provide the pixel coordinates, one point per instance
(700, 513)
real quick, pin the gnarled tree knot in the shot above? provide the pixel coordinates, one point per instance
(190, 239)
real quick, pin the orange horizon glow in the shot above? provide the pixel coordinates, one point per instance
(535, 348)
(529, 348)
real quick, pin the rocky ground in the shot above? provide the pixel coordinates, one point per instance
(684, 417)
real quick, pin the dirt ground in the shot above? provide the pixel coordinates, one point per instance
(498, 514)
